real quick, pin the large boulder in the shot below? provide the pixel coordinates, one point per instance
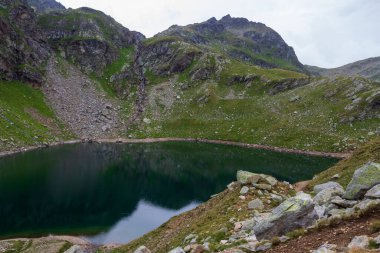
(293, 213)
(328, 185)
(246, 177)
(324, 196)
(363, 179)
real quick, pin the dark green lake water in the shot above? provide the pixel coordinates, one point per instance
(113, 193)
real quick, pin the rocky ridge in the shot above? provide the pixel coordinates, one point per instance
(278, 217)
(23, 48)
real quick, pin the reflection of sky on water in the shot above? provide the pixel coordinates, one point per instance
(145, 218)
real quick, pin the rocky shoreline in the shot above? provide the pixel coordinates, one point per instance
(157, 140)
(278, 216)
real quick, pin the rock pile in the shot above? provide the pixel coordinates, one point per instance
(277, 212)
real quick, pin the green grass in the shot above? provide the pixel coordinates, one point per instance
(251, 115)
(17, 125)
(125, 59)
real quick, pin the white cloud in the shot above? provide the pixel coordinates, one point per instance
(323, 32)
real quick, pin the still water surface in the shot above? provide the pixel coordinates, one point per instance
(113, 193)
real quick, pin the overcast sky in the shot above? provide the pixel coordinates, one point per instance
(325, 33)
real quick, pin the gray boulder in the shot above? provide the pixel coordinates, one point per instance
(177, 250)
(256, 204)
(326, 248)
(246, 177)
(374, 192)
(142, 249)
(244, 190)
(321, 187)
(337, 200)
(363, 179)
(359, 242)
(293, 213)
(324, 196)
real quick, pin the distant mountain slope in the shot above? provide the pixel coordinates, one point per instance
(87, 37)
(46, 5)
(368, 68)
(240, 39)
(23, 48)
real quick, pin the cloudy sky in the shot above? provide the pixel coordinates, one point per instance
(325, 33)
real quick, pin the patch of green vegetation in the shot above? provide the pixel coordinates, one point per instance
(374, 226)
(312, 121)
(3, 12)
(296, 233)
(25, 119)
(153, 78)
(65, 247)
(347, 167)
(125, 59)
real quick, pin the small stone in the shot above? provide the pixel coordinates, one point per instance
(276, 197)
(223, 242)
(284, 238)
(238, 226)
(231, 186)
(359, 242)
(256, 204)
(326, 248)
(335, 177)
(244, 190)
(242, 197)
(264, 247)
(147, 121)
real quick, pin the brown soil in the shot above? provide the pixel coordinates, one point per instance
(340, 235)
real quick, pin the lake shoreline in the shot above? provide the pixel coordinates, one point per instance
(174, 139)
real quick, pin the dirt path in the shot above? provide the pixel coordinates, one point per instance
(77, 101)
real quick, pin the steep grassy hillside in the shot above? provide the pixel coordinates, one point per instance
(25, 119)
(276, 107)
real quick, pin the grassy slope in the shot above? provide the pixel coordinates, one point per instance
(250, 114)
(346, 168)
(25, 119)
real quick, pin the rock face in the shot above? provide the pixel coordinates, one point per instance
(363, 179)
(46, 5)
(293, 213)
(23, 49)
(87, 37)
(241, 39)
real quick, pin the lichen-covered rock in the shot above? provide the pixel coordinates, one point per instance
(321, 187)
(246, 177)
(324, 196)
(363, 179)
(337, 200)
(374, 192)
(244, 190)
(293, 213)
(359, 242)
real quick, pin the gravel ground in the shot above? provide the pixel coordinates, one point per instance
(78, 102)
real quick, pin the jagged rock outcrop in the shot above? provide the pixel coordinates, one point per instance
(46, 5)
(23, 48)
(87, 37)
(240, 39)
